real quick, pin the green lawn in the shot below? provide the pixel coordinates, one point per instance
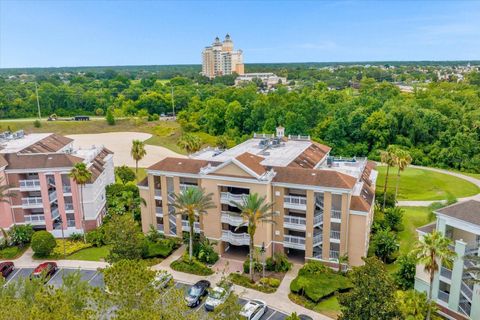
(91, 254)
(329, 306)
(419, 184)
(12, 252)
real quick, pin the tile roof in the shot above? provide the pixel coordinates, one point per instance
(181, 165)
(40, 160)
(311, 156)
(252, 162)
(51, 143)
(428, 228)
(324, 178)
(468, 211)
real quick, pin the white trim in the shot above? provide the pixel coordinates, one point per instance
(359, 213)
(458, 223)
(338, 191)
(43, 170)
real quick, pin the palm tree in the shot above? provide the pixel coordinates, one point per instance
(5, 195)
(254, 210)
(387, 157)
(189, 142)
(342, 260)
(137, 152)
(402, 161)
(81, 175)
(432, 250)
(192, 202)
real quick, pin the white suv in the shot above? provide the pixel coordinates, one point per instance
(253, 310)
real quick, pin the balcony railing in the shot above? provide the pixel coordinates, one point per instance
(159, 211)
(68, 206)
(238, 239)
(32, 202)
(295, 202)
(335, 235)
(334, 254)
(29, 184)
(186, 226)
(317, 239)
(184, 186)
(35, 219)
(233, 219)
(160, 227)
(317, 219)
(158, 193)
(336, 214)
(70, 223)
(294, 222)
(442, 295)
(467, 291)
(52, 196)
(444, 272)
(227, 197)
(294, 242)
(55, 214)
(67, 189)
(465, 307)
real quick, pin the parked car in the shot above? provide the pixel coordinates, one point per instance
(6, 268)
(305, 317)
(216, 297)
(162, 280)
(46, 269)
(253, 310)
(196, 292)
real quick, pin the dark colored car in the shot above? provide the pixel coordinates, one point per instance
(46, 269)
(305, 317)
(196, 292)
(6, 268)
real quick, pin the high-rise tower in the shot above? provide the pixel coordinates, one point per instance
(221, 59)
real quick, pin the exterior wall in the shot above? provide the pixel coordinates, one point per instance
(148, 210)
(309, 226)
(326, 225)
(278, 231)
(232, 169)
(6, 216)
(357, 233)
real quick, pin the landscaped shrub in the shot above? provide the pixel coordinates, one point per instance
(163, 248)
(271, 282)
(70, 247)
(21, 234)
(76, 236)
(96, 237)
(278, 263)
(9, 252)
(194, 267)
(264, 284)
(316, 281)
(43, 243)
(257, 266)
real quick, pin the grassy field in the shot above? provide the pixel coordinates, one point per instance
(419, 184)
(90, 254)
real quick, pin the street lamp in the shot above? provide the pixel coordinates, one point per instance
(262, 252)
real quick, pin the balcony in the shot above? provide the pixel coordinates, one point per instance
(158, 194)
(70, 223)
(160, 228)
(184, 186)
(159, 212)
(67, 189)
(334, 254)
(29, 185)
(32, 202)
(52, 196)
(446, 273)
(35, 219)
(227, 197)
(335, 235)
(237, 239)
(55, 214)
(292, 222)
(294, 242)
(231, 218)
(465, 307)
(336, 214)
(186, 226)
(295, 202)
(68, 206)
(317, 220)
(467, 291)
(443, 296)
(317, 239)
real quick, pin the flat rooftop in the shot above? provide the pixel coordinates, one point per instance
(278, 156)
(18, 144)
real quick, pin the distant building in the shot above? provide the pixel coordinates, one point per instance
(268, 79)
(220, 59)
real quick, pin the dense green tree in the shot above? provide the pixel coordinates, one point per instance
(125, 174)
(43, 243)
(385, 244)
(414, 305)
(138, 152)
(125, 237)
(80, 174)
(405, 275)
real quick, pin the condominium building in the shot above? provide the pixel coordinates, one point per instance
(267, 78)
(220, 59)
(322, 204)
(453, 291)
(37, 167)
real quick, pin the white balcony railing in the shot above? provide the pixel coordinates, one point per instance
(294, 242)
(334, 254)
(55, 214)
(336, 214)
(159, 211)
(467, 291)
(158, 193)
(294, 220)
(52, 196)
(33, 184)
(186, 226)
(68, 206)
(184, 186)
(35, 219)
(238, 239)
(335, 235)
(317, 219)
(67, 189)
(443, 296)
(32, 202)
(317, 239)
(295, 202)
(444, 272)
(233, 219)
(227, 197)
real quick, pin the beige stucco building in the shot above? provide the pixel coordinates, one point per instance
(220, 59)
(322, 204)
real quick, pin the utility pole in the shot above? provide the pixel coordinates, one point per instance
(173, 103)
(38, 102)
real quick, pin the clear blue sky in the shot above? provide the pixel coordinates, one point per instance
(81, 33)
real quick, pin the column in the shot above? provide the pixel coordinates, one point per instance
(176, 190)
(344, 225)
(327, 199)
(166, 215)
(457, 274)
(309, 225)
(278, 230)
(475, 310)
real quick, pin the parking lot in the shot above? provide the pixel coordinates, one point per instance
(95, 278)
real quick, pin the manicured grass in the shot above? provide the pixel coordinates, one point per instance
(329, 306)
(193, 267)
(91, 254)
(419, 184)
(12, 252)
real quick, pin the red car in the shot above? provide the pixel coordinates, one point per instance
(46, 269)
(6, 268)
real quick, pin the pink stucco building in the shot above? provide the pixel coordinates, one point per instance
(37, 167)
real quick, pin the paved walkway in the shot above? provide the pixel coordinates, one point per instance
(408, 203)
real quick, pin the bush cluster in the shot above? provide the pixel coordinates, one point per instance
(43, 243)
(96, 237)
(194, 267)
(70, 247)
(266, 285)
